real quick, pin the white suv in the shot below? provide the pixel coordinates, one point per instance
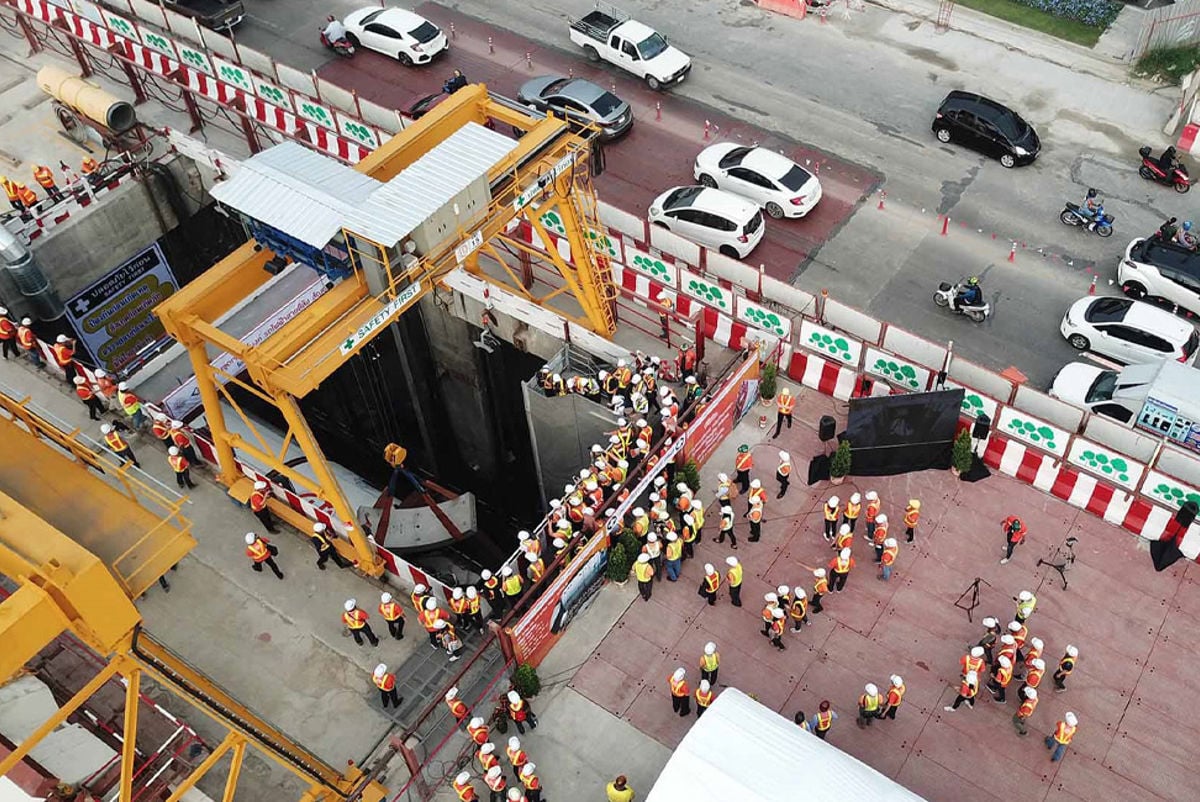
(710, 217)
(1156, 270)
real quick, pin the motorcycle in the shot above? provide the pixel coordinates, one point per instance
(1101, 223)
(341, 47)
(1151, 170)
(947, 292)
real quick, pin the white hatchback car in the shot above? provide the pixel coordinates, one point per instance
(1153, 269)
(712, 218)
(1131, 332)
(774, 182)
(403, 35)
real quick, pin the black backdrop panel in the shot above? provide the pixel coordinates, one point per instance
(901, 433)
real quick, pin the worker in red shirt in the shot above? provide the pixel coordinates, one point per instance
(1014, 533)
(385, 681)
(258, 496)
(261, 552)
(87, 394)
(840, 567)
(8, 333)
(355, 620)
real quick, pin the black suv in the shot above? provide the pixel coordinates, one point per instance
(986, 126)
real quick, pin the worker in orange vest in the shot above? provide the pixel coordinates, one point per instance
(1014, 534)
(971, 661)
(1064, 731)
(458, 708)
(1001, 677)
(840, 566)
(517, 757)
(831, 511)
(45, 178)
(88, 396)
(496, 783)
(967, 690)
(107, 387)
(844, 539)
(880, 536)
(520, 712)
(784, 404)
(182, 441)
(258, 496)
(681, 695)
(871, 514)
(777, 628)
(28, 198)
(820, 589)
(532, 783)
(385, 681)
(1029, 700)
(462, 786)
(664, 317)
(853, 508)
(895, 695)
(10, 189)
(117, 444)
(261, 552)
(477, 729)
(704, 697)
(29, 342)
(89, 167)
(742, 463)
(912, 514)
(430, 615)
(393, 614)
(181, 466)
(784, 473)
(888, 560)
(757, 494)
(8, 333)
(1033, 674)
(355, 620)
(458, 606)
(160, 427)
(447, 637)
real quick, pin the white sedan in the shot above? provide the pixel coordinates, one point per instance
(403, 35)
(774, 182)
(712, 218)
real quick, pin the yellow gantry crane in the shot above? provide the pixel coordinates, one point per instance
(80, 547)
(548, 169)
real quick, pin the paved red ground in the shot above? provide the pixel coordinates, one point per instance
(654, 156)
(1133, 690)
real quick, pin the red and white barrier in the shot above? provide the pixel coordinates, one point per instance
(335, 145)
(823, 375)
(150, 60)
(41, 9)
(89, 31)
(211, 88)
(647, 289)
(271, 115)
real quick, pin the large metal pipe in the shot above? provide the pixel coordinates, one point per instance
(87, 99)
(27, 274)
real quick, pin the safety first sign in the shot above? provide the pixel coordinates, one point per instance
(114, 316)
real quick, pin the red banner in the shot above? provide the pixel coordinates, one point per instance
(717, 420)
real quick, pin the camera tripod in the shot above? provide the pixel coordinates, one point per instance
(972, 591)
(1063, 559)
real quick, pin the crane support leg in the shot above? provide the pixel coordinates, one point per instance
(133, 681)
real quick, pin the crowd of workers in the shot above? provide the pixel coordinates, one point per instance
(25, 201)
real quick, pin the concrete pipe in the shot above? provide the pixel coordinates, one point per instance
(88, 99)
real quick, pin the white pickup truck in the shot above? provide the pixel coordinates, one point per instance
(610, 35)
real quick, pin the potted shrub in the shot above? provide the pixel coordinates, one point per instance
(960, 456)
(525, 681)
(619, 564)
(766, 383)
(839, 464)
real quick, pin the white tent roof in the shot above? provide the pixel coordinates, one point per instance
(742, 750)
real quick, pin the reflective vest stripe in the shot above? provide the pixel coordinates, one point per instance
(1063, 733)
(62, 354)
(258, 551)
(734, 576)
(743, 462)
(678, 687)
(852, 510)
(703, 699)
(821, 586)
(872, 510)
(785, 469)
(712, 582)
(841, 566)
(911, 517)
(786, 403)
(7, 329)
(355, 619)
(84, 392)
(710, 662)
(385, 683)
(391, 611)
(115, 442)
(129, 402)
(831, 513)
(258, 501)
(179, 464)
(824, 720)
(43, 176)
(26, 338)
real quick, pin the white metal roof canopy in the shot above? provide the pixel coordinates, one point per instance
(741, 750)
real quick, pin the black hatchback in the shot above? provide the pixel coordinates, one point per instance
(986, 126)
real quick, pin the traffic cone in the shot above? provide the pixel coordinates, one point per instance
(1092, 289)
(1012, 253)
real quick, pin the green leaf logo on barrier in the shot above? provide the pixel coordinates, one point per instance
(1173, 495)
(765, 319)
(271, 93)
(1099, 461)
(235, 76)
(1032, 432)
(317, 114)
(194, 58)
(154, 40)
(653, 266)
(120, 26)
(710, 293)
(552, 221)
(901, 374)
(837, 347)
(360, 132)
(972, 404)
(603, 241)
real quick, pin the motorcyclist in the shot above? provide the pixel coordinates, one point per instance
(1167, 231)
(1166, 162)
(1185, 237)
(969, 295)
(1091, 204)
(334, 31)
(454, 83)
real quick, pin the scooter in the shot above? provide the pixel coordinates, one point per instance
(947, 292)
(1151, 171)
(1100, 223)
(341, 47)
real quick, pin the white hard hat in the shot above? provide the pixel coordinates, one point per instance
(380, 669)
(638, 512)
(621, 363)
(881, 518)
(514, 697)
(777, 612)
(755, 483)
(458, 593)
(463, 778)
(622, 422)
(977, 651)
(522, 535)
(60, 339)
(559, 543)
(897, 679)
(558, 377)
(855, 498)
(710, 647)
(683, 488)
(844, 529)
(250, 538)
(488, 748)
(1024, 595)
(1004, 661)
(1072, 651)
(485, 574)
(1071, 720)
(690, 380)
(664, 392)
(708, 569)
(819, 572)
(833, 501)
(603, 374)
(100, 374)
(688, 519)
(871, 689)
(514, 742)
(176, 424)
(3, 310)
(989, 622)
(731, 561)
(350, 604)
(1039, 664)
(514, 794)
(1007, 640)
(173, 451)
(320, 527)
(530, 557)
(652, 538)
(722, 477)
(476, 722)
(679, 674)
(452, 693)
(555, 503)
(471, 592)
(890, 542)
(799, 591)
(872, 495)
(493, 772)
(260, 485)
(771, 597)
(672, 537)
(1014, 626)
(123, 386)
(845, 554)
(1037, 643)
(643, 558)
(782, 590)
(26, 321)
(430, 603)
(506, 571)
(419, 588)
(641, 423)
(705, 685)
(105, 428)
(79, 380)
(784, 456)
(1031, 693)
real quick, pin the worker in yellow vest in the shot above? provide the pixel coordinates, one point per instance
(704, 697)
(385, 681)
(869, 705)
(643, 571)
(393, 614)
(45, 179)
(851, 513)
(912, 514)
(833, 508)
(799, 610)
(733, 578)
(261, 552)
(117, 444)
(131, 404)
(784, 405)
(29, 342)
(182, 468)
(326, 551)
(784, 473)
(355, 620)
(823, 720)
(10, 190)
(510, 585)
(710, 663)
(258, 498)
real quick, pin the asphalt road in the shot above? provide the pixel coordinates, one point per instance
(858, 94)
